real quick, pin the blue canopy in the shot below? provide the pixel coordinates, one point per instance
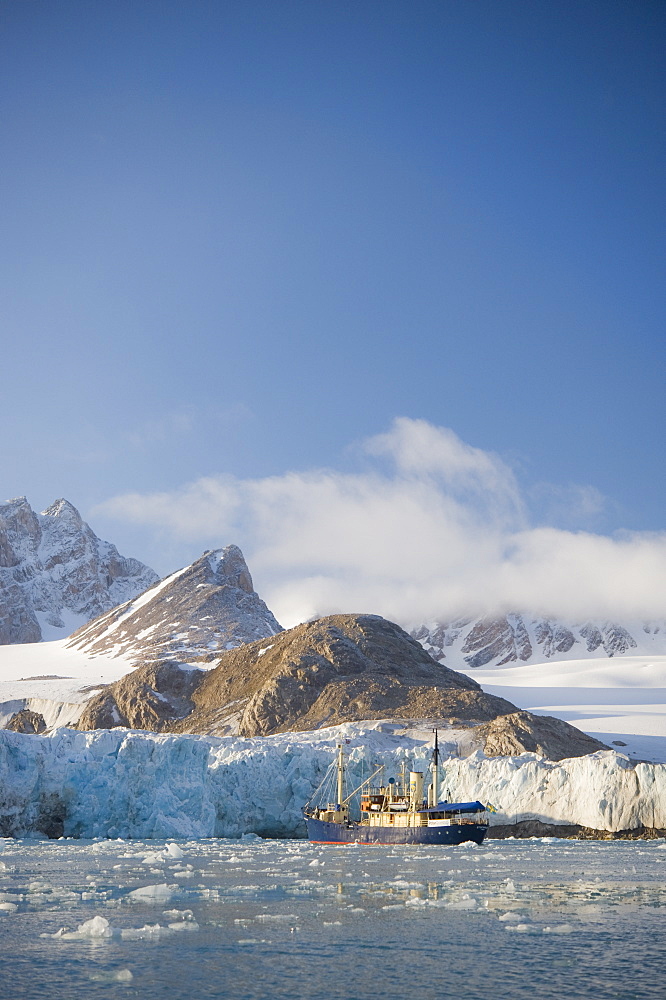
(459, 807)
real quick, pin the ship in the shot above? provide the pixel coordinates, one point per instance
(395, 812)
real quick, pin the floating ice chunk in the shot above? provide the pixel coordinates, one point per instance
(113, 976)
(161, 893)
(521, 928)
(335, 923)
(184, 925)
(178, 914)
(67, 894)
(315, 864)
(174, 851)
(511, 918)
(97, 928)
(139, 933)
(559, 929)
(276, 916)
(153, 858)
(466, 902)
(58, 934)
(8, 907)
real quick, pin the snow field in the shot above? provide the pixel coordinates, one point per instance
(611, 698)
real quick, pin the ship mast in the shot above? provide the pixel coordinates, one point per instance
(435, 772)
(341, 775)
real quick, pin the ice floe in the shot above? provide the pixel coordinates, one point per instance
(161, 893)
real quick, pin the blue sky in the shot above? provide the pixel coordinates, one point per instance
(241, 238)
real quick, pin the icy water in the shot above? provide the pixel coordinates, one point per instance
(257, 919)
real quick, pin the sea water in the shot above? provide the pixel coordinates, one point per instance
(256, 918)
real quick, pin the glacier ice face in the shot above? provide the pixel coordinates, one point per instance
(124, 783)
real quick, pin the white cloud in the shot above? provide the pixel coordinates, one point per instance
(422, 451)
(433, 528)
(566, 506)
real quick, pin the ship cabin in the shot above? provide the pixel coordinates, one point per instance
(456, 814)
(332, 812)
(391, 805)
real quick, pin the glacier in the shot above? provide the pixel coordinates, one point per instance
(141, 785)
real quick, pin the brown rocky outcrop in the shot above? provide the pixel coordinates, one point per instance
(518, 732)
(26, 721)
(152, 697)
(342, 668)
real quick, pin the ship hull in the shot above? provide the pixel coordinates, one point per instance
(320, 832)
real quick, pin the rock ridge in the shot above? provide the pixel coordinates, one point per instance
(55, 573)
(190, 616)
(517, 638)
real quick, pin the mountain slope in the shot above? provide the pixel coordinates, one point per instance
(190, 616)
(337, 669)
(343, 668)
(56, 574)
(498, 640)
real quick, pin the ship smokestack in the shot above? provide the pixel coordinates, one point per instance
(415, 789)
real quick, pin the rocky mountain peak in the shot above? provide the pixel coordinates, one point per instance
(190, 616)
(518, 638)
(228, 568)
(56, 574)
(64, 509)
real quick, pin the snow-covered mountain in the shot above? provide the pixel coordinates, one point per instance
(190, 616)
(56, 574)
(498, 640)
